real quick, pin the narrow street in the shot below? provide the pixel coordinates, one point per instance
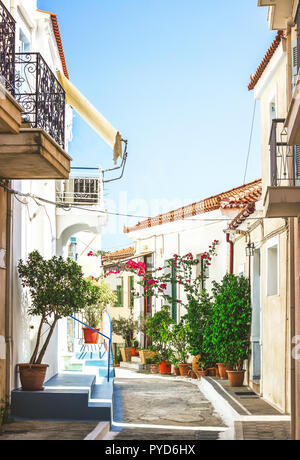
(169, 409)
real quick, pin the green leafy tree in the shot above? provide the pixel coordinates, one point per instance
(126, 328)
(159, 329)
(180, 342)
(228, 331)
(99, 295)
(57, 289)
(198, 316)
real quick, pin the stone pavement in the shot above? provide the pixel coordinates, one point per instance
(262, 431)
(149, 407)
(256, 418)
(35, 430)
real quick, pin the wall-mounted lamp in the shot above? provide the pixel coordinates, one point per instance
(250, 248)
(134, 293)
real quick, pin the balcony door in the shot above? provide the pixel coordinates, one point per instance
(256, 316)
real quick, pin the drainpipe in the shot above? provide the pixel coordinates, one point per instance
(8, 312)
(231, 253)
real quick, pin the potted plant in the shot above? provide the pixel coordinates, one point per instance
(153, 364)
(158, 328)
(231, 320)
(180, 345)
(198, 315)
(99, 294)
(57, 289)
(134, 348)
(125, 328)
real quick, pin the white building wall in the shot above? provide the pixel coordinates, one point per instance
(193, 235)
(34, 227)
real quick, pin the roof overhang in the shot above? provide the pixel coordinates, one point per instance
(280, 11)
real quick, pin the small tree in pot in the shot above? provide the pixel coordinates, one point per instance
(125, 328)
(57, 289)
(99, 295)
(180, 346)
(230, 325)
(159, 329)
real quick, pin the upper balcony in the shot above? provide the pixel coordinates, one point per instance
(81, 190)
(282, 197)
(279, 12)
(32, 113)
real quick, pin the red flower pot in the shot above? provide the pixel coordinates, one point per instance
(236, 378)
(222, 370)
(90, 335)
(164, 368)
(32, 376)
(184, 369)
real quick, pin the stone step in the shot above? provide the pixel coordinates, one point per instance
(137, 367)
(136, 359)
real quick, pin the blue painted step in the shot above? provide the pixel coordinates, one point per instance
(67, 396)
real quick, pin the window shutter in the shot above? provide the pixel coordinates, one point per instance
(296, 149)
(131, 286)
(294, 63)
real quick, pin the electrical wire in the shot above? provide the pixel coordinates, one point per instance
(69, 206)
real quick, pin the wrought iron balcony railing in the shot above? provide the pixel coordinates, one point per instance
(80, 190)
(39, 92)
(7, 48)
(284, 159)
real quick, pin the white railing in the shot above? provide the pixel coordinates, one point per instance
(80, 190)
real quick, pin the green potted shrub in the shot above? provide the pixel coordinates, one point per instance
(125, 328)
(153, 364)
(230, 326)
(198, 315)
(99, 295)
(180, 346)
(57, 289)
(159, 329)
(134, 351)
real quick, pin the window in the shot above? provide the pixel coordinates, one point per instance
(149, 262)
(172, 287)
(202, 269)
(272, 279)
(72, 250)
(120, 293)
(131, 287)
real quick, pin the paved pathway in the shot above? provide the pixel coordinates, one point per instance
(162, 408)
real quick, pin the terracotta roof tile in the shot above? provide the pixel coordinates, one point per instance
(119, 255)
(264, 63)
(236, 198)
(58, 39)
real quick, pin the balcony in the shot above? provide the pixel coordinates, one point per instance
(10, 111)
(81, 190)
(282, 197)
(280, 12)
(32, 113)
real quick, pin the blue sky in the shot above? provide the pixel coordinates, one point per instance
(172, 76)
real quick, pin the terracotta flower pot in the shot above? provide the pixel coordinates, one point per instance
(222, 370)
(164, 368)
(201, 373)
(90, 336)
(184, 369)
(144, 354)
(126, 354)
(134, 352)
(154, 369)
(236, 378)
(32, 376)
(211, 371)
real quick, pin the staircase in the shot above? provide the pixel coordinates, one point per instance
(82, 391)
